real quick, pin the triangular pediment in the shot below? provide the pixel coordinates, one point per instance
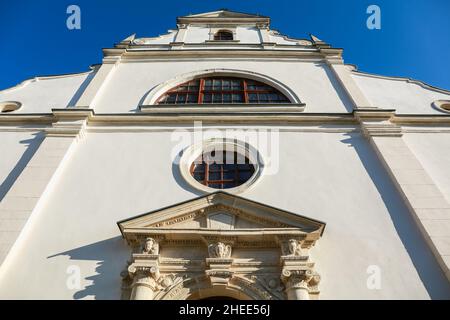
(223, 16)
(220, 212)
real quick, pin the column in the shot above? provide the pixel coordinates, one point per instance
(296, 285)
(143, 287)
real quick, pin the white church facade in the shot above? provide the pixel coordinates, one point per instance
(224, 159)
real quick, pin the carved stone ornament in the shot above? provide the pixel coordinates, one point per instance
(219, 250)
(294, 248)
(307, 279)
(151, 246)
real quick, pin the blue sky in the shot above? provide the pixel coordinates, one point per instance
(414, 40)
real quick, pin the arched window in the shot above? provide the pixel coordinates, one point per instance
(222, 90)
(222, 169)
(223, 35)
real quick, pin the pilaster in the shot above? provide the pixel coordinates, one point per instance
(425, 201)
(28, 191)
(92, 91)
(344, 77)
(181, 33)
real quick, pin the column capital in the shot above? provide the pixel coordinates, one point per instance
(301, 279)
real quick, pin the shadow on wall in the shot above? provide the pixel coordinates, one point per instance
(81, 89)
(111, 256)
(179, 178)
(421, 256)
(31, 147)
(337, 87)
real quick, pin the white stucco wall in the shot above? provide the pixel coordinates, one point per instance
(433, 152)
(313, 83)
(41, 94)
(248, 35)
(16, 149)
(196, 34)
(113, 176)
(405, 97)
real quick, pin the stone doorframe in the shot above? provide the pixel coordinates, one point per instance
(220, 245)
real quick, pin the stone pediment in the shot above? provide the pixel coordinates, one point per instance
(223, 16)
(220, 213)
(220, 242)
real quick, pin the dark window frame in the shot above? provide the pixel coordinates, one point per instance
(230, 173)
(222, 90)
(224, 35)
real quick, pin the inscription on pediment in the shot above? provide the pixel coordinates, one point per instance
(219, 217)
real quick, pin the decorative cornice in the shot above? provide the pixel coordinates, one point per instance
(103, 121)
(377, 122)
(213, 108)
(69, 122)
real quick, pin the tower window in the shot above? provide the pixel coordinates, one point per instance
(223, 90)
(223, 35)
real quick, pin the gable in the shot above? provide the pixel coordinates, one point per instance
(222, 212)
(223, 14)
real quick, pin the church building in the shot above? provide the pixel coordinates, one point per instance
(224, 160)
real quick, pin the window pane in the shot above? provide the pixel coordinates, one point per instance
(273, 97)
(244, 167)
(192, 98)
(214, 167)
(214, 176)
(226, 84)
(207, 98)
(252, 97)
(193, 88)
(171, 98)
(245, 175)
(230, 166)
(261, 86)
(228, 175)
(237, 84)
(237, 98)
(263, 97)
(217, 85)
(227, 97)
(223, 35)
(181, 98)
(199, 176)
(199, 166)
(217, 98)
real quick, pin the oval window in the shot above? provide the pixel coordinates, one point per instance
(222, 169)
